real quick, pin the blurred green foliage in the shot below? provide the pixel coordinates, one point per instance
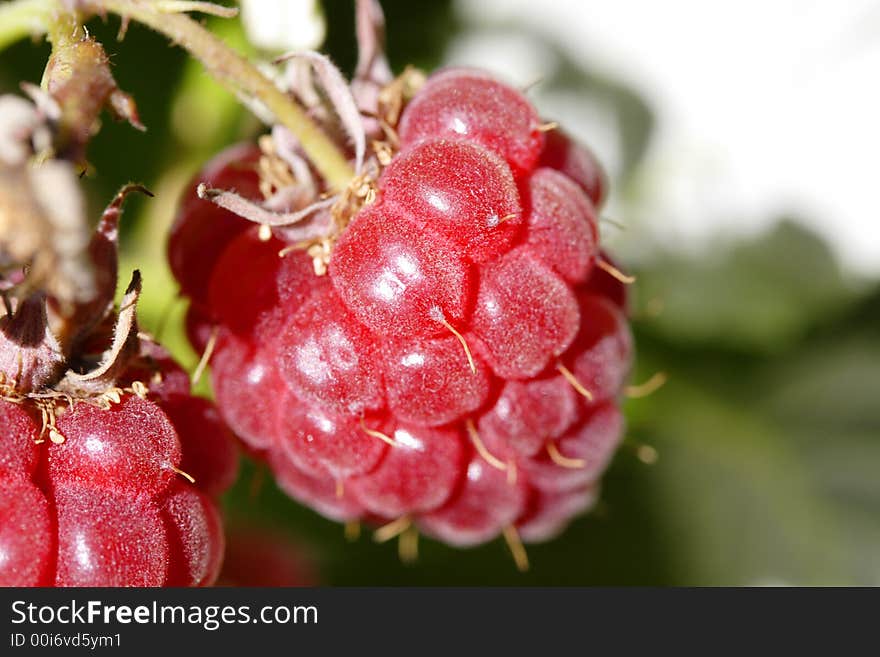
(758, 295)
(768, 432)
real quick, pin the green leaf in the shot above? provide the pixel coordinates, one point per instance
(755, 296)
(777, 482)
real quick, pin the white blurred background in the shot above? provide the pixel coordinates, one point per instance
(762, 108)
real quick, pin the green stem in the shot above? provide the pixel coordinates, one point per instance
(239, 75)
(23, 18)
(61, 27)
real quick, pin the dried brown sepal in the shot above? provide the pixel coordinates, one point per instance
(276, 173)
(30, 356)
(382, 120)
(372, 65)
(113, 362)
(255, 212)
(372, 73)
(283, 146)
(340, 98)
(122, 107)
(104, 255)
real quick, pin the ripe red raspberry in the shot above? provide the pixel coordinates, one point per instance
(458, 368)
(109, 506)
(109, 468)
